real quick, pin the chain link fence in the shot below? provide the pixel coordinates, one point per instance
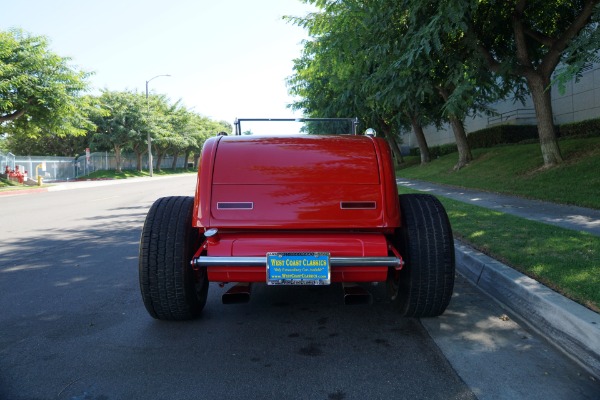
(67, 168)
(7, 160)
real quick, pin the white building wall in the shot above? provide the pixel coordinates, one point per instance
(580, 101)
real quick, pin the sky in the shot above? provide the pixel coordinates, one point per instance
(227, 58)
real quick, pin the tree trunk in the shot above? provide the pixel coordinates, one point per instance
(158, 160)
(542, 102)
(186, 157)
(196, 160)
(118, 158)
(174, 163)
(138, 157)
(421, 141)
(464, 151)
(138, 161)
(386, 132)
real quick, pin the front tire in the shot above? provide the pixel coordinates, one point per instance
(171, 289)
(423, 287)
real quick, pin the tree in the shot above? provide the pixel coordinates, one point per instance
(370, 58)
(523, 40)
(181, 124)
(451, 67)
(34, 142)
(203, 128)
(396, 84)
(160, 128)
(120, 121)
(39, 91)
(330, 76)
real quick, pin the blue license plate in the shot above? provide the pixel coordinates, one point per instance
(298, 269)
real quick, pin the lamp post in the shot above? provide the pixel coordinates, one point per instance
(148, 113)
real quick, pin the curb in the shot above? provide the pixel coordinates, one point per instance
(17, 192)
(572, 328)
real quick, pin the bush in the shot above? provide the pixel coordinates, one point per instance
(436, 151)
(587, 128)
(501, 134)
(510, 134)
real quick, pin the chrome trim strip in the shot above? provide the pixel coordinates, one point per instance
(262, 261)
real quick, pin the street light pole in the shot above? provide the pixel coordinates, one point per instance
(150, 170)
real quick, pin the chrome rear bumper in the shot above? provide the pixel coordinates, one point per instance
(262, 262)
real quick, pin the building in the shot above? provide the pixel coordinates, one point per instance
(580, 101)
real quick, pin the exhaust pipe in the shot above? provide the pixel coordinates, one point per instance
(355, 294)
(239, 293)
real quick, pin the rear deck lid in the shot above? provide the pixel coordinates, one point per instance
(304, 159)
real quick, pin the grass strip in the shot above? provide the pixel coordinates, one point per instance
(517, 170)
(565, 260)
(111, 174)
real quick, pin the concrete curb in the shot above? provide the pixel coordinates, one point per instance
(572, 328)
(17, 192)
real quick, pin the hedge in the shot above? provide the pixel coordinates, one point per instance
(587, 128)
(501, 134)
(510, 134)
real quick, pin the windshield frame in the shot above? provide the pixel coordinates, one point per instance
(238, 126)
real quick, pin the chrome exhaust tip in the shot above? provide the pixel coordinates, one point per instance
(239, 293)
(355, 294)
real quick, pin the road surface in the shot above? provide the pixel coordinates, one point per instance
(73, 325)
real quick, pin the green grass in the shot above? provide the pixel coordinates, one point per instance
(134, 174)
(8, 185)
(565, 260)
(5, 183)
(518, 170)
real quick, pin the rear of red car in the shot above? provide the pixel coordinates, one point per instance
(301, 194)
(295, 210)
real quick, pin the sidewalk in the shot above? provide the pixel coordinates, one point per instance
(570, 217)
(82, 184)
(572, 328)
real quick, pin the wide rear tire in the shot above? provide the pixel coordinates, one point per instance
(423, 288)
(171, 289)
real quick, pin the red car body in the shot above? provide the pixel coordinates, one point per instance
(270, 194)
(305, 210)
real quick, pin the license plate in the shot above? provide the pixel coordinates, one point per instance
(298, 269)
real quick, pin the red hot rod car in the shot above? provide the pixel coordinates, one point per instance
(305, 209)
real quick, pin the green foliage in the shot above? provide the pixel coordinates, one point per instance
(588, 128)
(43, 109)
(501, 134)
(34, 142)
(437, 151)
(124, 119)
(336, 74)
(39, 90)
(111, 174)
(389, 62)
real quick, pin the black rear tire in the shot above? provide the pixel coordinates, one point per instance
(423, 288)
(171, 289)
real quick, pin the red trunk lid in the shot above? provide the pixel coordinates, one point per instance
(295, 182)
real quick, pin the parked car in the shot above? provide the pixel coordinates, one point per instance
(306, 209)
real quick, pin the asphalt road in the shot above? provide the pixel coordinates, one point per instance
(73, 326)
